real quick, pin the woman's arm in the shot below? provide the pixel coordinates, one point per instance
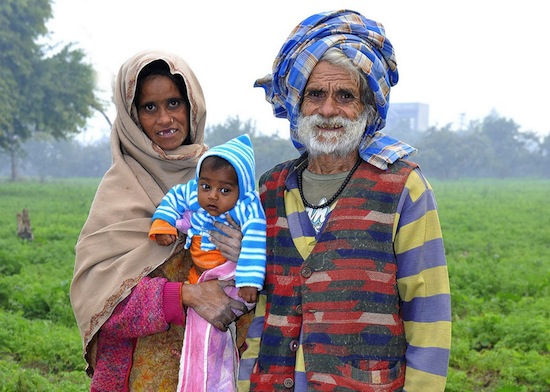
(144, 311)
(141, 313)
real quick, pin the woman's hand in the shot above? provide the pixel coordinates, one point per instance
(230, 243)
(211, 302)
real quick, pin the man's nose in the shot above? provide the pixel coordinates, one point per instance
(329, 107)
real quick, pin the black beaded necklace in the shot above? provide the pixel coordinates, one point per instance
(301, 169)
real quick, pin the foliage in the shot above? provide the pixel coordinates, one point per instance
(40, 347)
(47, 158)
(50, 90)
(19, 23)
(478, 151)
(496, 238)
(268, 150)
(491, 148)
(64, 158)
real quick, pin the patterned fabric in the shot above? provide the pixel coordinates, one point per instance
(382, 150)
(365, 43)
(247, 212)
(347, 306)
(156, 360)
(137, 338)
(422, 282)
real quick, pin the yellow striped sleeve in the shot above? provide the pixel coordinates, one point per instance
(419, 381)
(416, 187)
(410, 237)
(431, 281)
(428, 334)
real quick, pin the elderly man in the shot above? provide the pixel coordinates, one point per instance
(357, 290)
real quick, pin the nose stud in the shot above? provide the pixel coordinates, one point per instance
(172, 120)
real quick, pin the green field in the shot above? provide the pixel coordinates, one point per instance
(497, 237)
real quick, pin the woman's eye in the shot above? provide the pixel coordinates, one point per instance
(174, 103)
(149, 107)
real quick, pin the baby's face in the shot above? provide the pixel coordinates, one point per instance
(218, 189)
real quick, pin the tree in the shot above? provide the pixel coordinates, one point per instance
(49, 158)
(442, 153)
(510, 147)
(268, 150)
(233, 127)
(48, 89)
(271, 150)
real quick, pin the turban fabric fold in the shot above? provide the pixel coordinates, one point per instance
(365, 43)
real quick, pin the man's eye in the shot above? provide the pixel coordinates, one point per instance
(316, 94)
(345, 97)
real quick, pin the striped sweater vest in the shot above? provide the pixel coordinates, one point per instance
(343, 297)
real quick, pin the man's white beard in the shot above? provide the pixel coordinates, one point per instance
(340, 143)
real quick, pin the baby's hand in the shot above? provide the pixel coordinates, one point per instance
(249, 294)
(165, 239)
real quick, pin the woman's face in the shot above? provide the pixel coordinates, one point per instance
(163, 112)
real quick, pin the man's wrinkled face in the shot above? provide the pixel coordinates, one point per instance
(333, 117)
(332, 91)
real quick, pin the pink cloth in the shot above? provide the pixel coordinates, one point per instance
(210, 358)
(184, 223)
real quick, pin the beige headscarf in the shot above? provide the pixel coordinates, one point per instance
(114, 252)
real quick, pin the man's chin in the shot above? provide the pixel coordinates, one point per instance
(325, 140)
(332, 147)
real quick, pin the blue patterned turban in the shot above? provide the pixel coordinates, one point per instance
(365, 43)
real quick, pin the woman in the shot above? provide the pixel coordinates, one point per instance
(127, 292)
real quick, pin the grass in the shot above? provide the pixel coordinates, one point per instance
(497, 239)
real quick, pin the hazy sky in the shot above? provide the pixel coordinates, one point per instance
(464, 58)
